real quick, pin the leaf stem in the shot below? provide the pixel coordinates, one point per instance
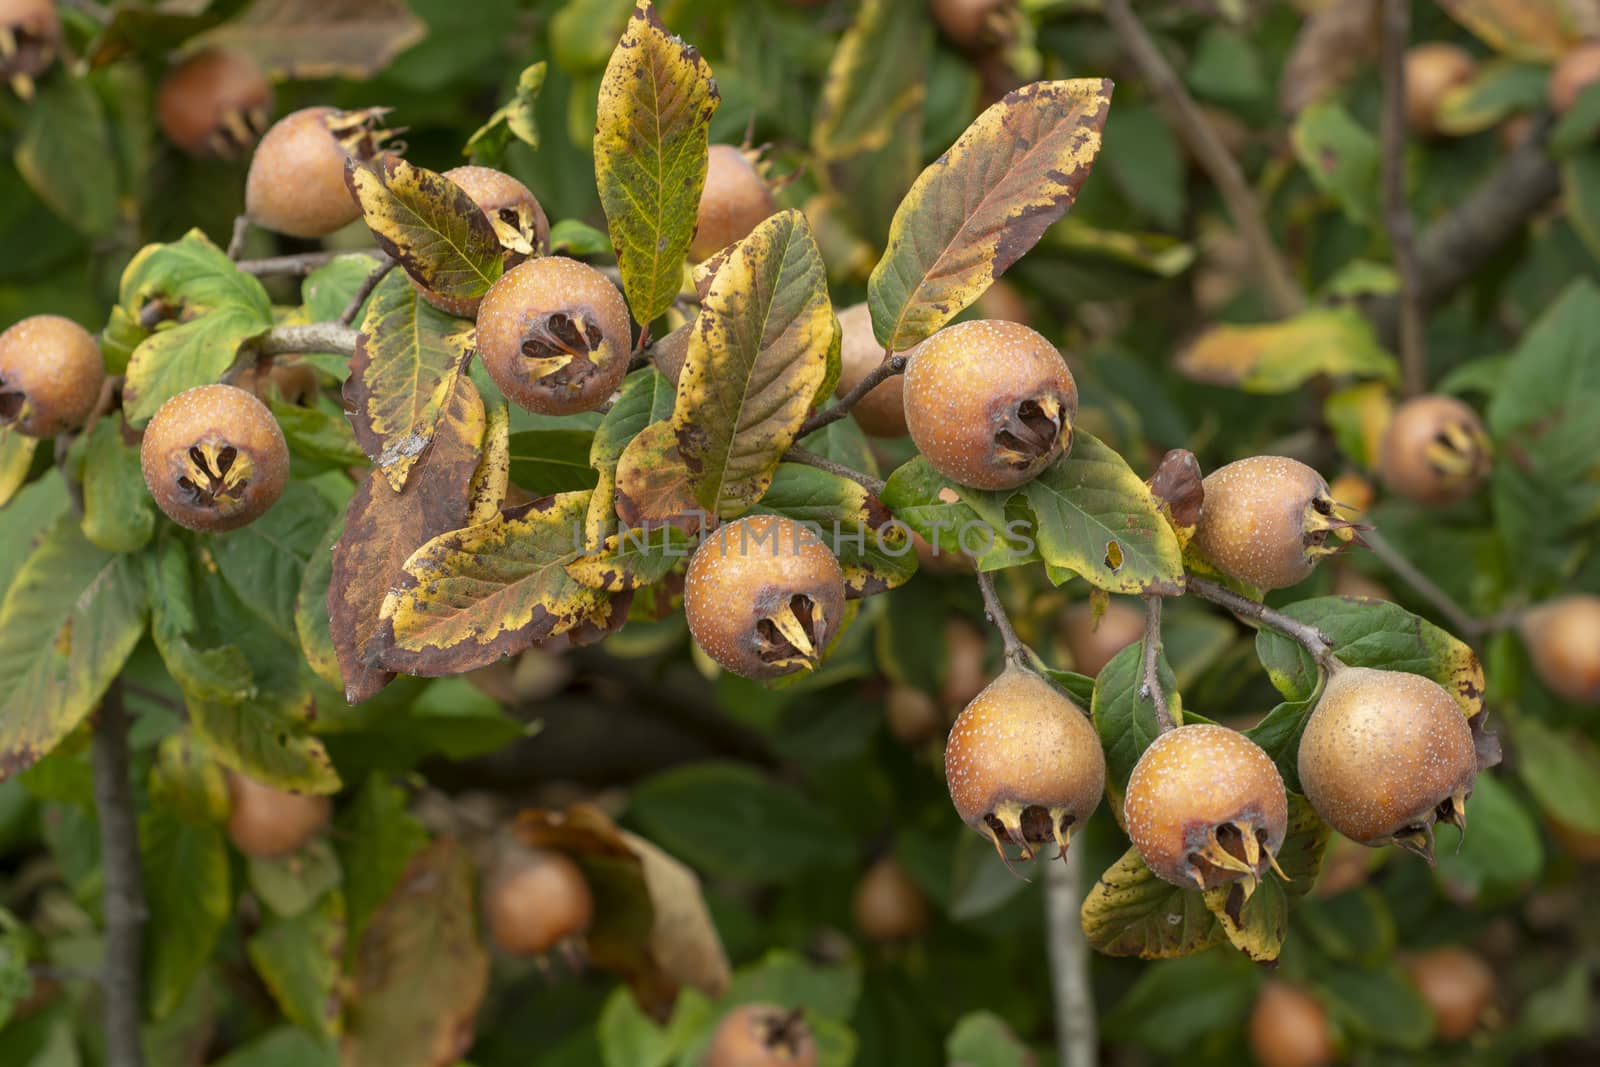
(1015, 651)
(1308, 637)
(374, 278)
(122, 976)
(1187, 120)
(1077, 1044)
(1396, 211)
(1151, 686)
(796, 454)
(880, 374)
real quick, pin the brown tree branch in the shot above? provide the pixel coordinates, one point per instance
(796, 454)
(1151, 686)
(122, 976)
(1396, 210)
(1459, 618)
(1308, 637)
(241, 230)
(1015, 651)
(303, 263)
(880, 374)
(353, 308)
(333, 337)
(1192, 126)
(1077, 1044)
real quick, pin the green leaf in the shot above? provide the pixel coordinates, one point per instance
(877, 554)
(187, 890)
(1141, 157)
(1125, 720)
(1350, 927)
(985, 202)
(948, 518)
(1499, 89)
(16, 985)
(298, 959)
(1180, 1005)
(1341, 156)
(573, 237)
(629, 1037)
(877, 74)
(650, 143)
(517, 118)
(1280, 357)
(1227, 67)
(1561, 768)
(429, 226)
(1131, 912)
(1278, 733)
(760, 352)
(319, 439)
(118, 513)
(265, 561)
(66, 154)
(220, 309)
(329, 289)
(377, 838)
(982, 1039)
(1579, 173)
(187, 782)
(313, 624)
(1379, 1004)
(287, 1046)
(70, 618)
(1503, 855)
(544, 462)
(288, 885)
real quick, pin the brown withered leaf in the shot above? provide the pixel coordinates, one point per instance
(1178, 490)
(1332, 43)
(651, 924)
(306, 39)
(653, 483)
(421, 970)
(383, 528)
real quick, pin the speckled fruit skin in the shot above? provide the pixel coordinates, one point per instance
(36, 29)
(214, 104)
(296, 180)
(1563, 639)
(1253, 522)
(1432, 70)
(497, 194)
(1191, 782)
(965, 387)
(1382, 751)
(1092, 645)
(1574, 73)
(1457, 985)
(734, 202)
(208, 421)
(881, 413)
(1289, 1028)
(50, 375)
(267, 822)
(888, 905)
(1024, 760)
(1435, 450)
(761, 1035)
(543, 291)
(536, 901)
(741, 591)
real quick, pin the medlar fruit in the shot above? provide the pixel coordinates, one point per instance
(1563, 639)
(1092, 642)
(989, 403)
(1457, 986)
(50, 376)
(214, 104)
(30, 35)
(762, 1035)
(1574, 73)
(266, 822)
(514, 213)
(1204, 806)
(296, 185)
(535, 901)
(735, 201)
(1432, 70)
(888, 905)
(764, 597)
(975, 25)
(555, 336)
(912, 715)
(214, 458)
(1435, 450)
(1289, 1028)
(1385, 754)
(1024, 761)
(1266, 521)
(881, 413)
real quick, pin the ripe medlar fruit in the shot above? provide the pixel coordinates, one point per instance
(989, 403)
(268, 822)
(1023, 760)
(882, 412)
(966, 672)
(735, 201)
(214, 458)
(764, 597)
(555, 336)
(912, 715)
(762, 1035)
(975, 25)
(1289, 1028)
(1432, 70)
(514, 213)
(888, 905)
(1266, 521)
(1385, 754)
(1435, 450)
(30, 34)
(1092, 642)
(536, 900)
(1563, 639)
(1204, 806)
(50, 376)
(296, 184)
(1575, 72)
(215, 104)
(1457, 986)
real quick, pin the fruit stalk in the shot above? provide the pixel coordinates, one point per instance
(1151, 686)
(121, 977)
(891, 366)
(796, 454)
(1015, 651)
(241, 230)
(1076, 1040)
(1396, 211)
(1308, 637)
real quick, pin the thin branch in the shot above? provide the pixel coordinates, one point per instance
(1016, 652)
(1151, 686)
(122, 976)
(63, 444)
(796, 454)
(1190, 123)
(312, 337)
(302, 264)
(1462, 622)
(353, 308)
(241, 230)
(1308, 637)
(144, 692)
(1396, 211)
(1077, 1044)
(880, 374)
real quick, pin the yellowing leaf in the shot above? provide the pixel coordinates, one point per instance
(1538, 30)
(976, 209)
(631, 559)
(407, 360)
(652, 486)
(428, 225)
(761, 349)
(1280, 356)
(16, 457)
(1257, 927)
(516, 117)
(876, 75)
(656, 102)
(493, 476)
(646, 397)
(1131, 912)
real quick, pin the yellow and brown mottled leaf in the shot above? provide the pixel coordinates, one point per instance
(421, 970)
(407, 360)
(1257, 926)
(493, 476)
(384, 527)
(1537, 31)
(1131, 912)
(876, 75)
(763, 345)
(646, 397)
(1278, 357)
(471, 596)
(976, 209)
(656, 101)
(652, 483)
(295, 40)
(651, 923)
(631, 559)
(16, 457)
(428, 225)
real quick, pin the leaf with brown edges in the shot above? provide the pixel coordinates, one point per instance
(428, 225)
(652, 483)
